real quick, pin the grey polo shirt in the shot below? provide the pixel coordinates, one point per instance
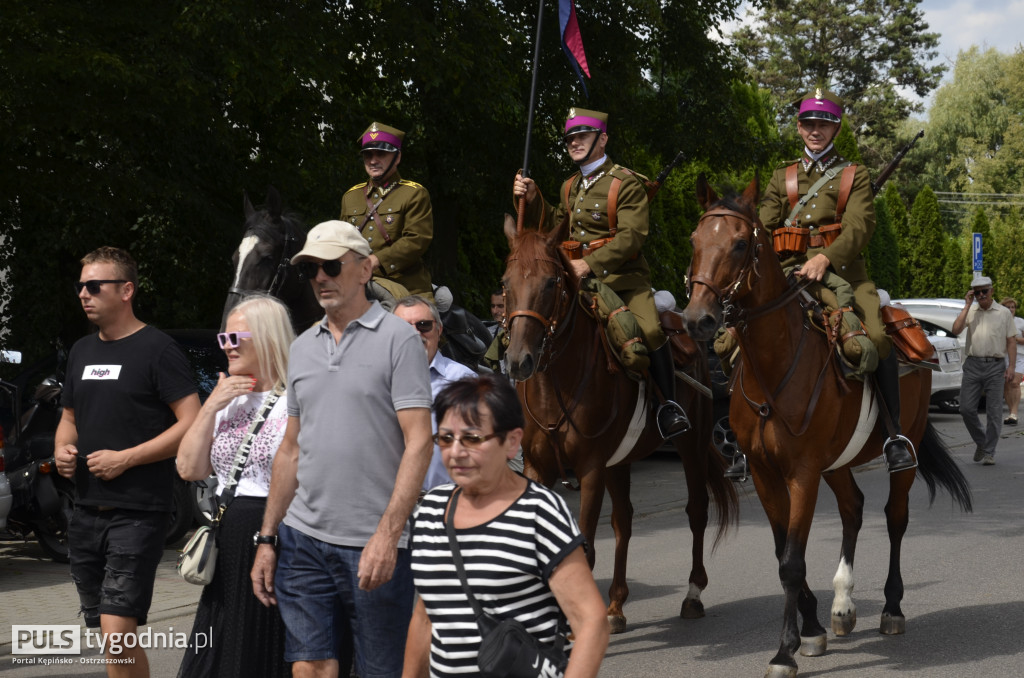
(346, 396)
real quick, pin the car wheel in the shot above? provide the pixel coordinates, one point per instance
(724, 439)
(181, 511)
(949, 405)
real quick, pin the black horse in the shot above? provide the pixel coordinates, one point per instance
(262, 262)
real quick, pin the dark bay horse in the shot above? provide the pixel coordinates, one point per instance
(583, 413)
(797, 422)
(262, 262)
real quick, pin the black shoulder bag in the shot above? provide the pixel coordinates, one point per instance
(507, 649)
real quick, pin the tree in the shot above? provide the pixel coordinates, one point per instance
(866, 51)
(141, 126)
(957, 273)
(926, 256)
(899, 222)
(883, 255)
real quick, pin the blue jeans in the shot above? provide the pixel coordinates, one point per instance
(983, 377)
(319, 597)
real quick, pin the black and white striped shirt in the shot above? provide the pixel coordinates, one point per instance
(508, 561)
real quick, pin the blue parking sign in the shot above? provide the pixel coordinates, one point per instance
(976, 249)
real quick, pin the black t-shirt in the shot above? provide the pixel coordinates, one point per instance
(120, 392)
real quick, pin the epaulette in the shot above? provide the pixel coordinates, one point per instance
(358, 187)
(406, 182)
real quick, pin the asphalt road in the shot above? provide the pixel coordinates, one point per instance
(964, 598)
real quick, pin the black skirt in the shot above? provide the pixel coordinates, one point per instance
(247, 638)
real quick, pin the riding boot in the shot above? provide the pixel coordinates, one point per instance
(897, 448)
(672, 419)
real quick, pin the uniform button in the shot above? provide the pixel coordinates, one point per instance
(581, 198)
(577, 210)
(371, 228)
(597, 204)
(582, 232)
(392, 267)
(813, 206)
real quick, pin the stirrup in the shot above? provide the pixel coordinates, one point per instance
(739, 470)
(909, 446)
(680, 428)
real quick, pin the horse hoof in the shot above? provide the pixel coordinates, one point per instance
(842, 624)
(780, 671)
(692, 609)
(617, 622)
(813, 646)
(893, 626)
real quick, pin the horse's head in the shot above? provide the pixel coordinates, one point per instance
(727, 242)
(261, 262)
(539, 288)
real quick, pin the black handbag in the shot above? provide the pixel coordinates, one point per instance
(507, 649)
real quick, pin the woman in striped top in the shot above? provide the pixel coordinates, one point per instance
(523, 551)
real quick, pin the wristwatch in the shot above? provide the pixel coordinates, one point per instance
(258, 539)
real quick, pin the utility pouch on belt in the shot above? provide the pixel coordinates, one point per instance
(577, 250)
(907, 334)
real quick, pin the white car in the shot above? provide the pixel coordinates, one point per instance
(937, 317)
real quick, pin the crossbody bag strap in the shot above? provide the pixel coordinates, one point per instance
(829, 175)
(244, 448)
(792, 185)
(845, 188)
(460, 568)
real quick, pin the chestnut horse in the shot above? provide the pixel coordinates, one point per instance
(798, 421)
(585, 414)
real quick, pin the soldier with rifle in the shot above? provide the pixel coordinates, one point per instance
(832, 201)
(606, 205)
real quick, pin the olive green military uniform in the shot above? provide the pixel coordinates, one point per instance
(619, 264)
(845, 253)
(406, 217)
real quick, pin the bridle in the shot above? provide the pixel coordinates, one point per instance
(732, 314)
(566, 290)
(281, 272)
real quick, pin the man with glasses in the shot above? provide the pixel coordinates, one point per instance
(128, 399)
(392, 214)
(608, 223)
(423, 316)
(359, 411)
(990, 341)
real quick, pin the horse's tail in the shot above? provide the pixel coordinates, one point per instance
(935, 465)
(723, 496)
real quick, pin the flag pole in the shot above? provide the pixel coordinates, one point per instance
(529, 115)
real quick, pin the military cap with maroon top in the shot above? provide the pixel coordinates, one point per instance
(821, 105)
(581, 121)
(381, 138)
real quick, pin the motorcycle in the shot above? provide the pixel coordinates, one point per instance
(42, 499)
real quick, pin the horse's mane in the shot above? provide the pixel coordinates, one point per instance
(263, 224)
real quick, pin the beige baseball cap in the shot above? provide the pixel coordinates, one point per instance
(331, 240)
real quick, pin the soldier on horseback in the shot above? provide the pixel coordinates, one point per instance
(832, 198)
(394, 215)
(608, 223)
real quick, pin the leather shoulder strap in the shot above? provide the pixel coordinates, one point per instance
(792, 185)
(845, 188)
(613, 197)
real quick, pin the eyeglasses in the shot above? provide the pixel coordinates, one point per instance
(93, 286)
(231, 339)
(423, 326)
(983, 293)
(470, 440)
(308, 269)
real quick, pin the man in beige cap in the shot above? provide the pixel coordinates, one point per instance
(990, 340)
(392, 214)
(333, 543)
(607, 229)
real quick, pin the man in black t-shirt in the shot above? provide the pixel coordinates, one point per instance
(129, 397)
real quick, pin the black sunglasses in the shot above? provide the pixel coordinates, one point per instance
(93, 286)
(423, 326)
(308, 269)
(983, 293)
(470, 440)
